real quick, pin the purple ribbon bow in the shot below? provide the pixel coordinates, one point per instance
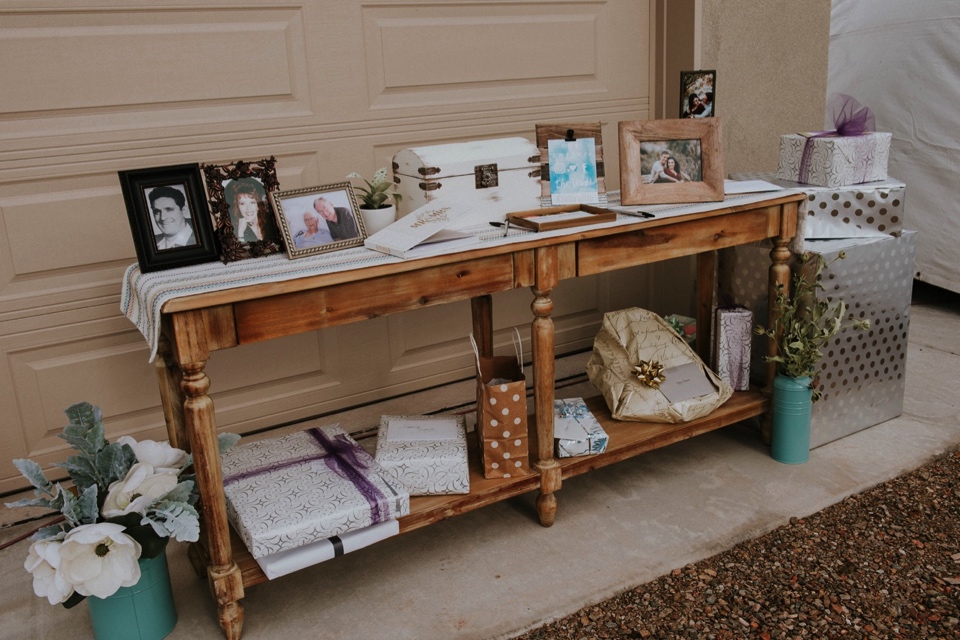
(850, 118)
(343, 461)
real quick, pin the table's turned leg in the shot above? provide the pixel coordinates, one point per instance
(542, 338)
(481, 309)
(779, 274)
(706, 290)
(170, 377)
(224, 576)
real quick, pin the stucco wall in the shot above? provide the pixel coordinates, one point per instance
(771, 62)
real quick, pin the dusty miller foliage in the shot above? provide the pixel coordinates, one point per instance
(805, 322)
(97, 464)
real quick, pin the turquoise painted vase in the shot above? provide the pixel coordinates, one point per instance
(144, 611)
(790, 436)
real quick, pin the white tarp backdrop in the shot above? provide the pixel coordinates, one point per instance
(902, 59)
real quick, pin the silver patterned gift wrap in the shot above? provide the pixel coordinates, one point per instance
(834, 161)
(286, 492)
(732, 339)
(868, 210)
(576, 431)
(862, 373)
(428, 454)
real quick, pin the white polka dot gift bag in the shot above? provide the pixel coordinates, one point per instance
(502, 413)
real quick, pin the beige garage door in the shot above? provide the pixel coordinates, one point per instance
(328, 88)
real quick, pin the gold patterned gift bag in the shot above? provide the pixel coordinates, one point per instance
(502, 414)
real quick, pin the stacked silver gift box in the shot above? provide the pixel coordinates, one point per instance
(862, 374)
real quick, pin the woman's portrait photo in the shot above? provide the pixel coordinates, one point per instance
(671, 161)
(697, 94)
(250, 212)
(318, 219)
(239, 201)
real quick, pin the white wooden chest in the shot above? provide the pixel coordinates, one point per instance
(495, 176)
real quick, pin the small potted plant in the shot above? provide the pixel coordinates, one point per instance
(802, 325)
(126, 501)
(375, 209)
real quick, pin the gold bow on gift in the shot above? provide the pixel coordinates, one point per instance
(650, 373)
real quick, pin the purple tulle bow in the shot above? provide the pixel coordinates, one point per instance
(343, 461)
(850, 118)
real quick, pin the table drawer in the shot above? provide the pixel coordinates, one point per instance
(291, 313)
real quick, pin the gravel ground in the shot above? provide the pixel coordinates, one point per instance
(881, 564)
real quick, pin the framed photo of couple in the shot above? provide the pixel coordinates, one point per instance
(698, 94)
(670, 161)
(319, 219)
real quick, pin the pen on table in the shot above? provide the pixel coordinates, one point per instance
(505, 225)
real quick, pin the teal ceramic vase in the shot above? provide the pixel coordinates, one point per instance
(144, 611)
(790, 436)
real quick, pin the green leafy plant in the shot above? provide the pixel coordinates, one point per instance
(375, 194)
(805, 322)
(127, 500)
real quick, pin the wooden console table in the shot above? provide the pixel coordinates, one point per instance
(194, 326)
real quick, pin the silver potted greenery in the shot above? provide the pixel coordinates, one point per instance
(375, 209)
(124, 502)
(803, 324)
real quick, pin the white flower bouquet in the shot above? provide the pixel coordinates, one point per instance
(127, 500)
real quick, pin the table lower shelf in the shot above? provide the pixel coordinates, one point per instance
(627, 439)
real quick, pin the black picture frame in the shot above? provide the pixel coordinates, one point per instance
(340, 224)
(147, 193)
(226, 185)
(698, 94)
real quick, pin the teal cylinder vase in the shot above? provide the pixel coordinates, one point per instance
(790, 435)
(144, 611)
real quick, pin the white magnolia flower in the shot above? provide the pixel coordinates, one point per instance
(97, 559)
(159, 455)
(141, 487)
(43, 561)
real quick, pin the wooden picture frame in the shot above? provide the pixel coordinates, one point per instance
(698, 94)
(694, 147)
(168, 215)
(319, 219)
(561, 131)
(238, 195)
(561, 217)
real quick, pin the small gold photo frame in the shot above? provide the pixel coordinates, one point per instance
(670, 161)
(319, 219)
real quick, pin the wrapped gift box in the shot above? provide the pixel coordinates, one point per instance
(428, 454)
(732, 340)
(862, 373)
(869, 210)
(685, 326)
(576, 431)
(286, 492)
(835, 161)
